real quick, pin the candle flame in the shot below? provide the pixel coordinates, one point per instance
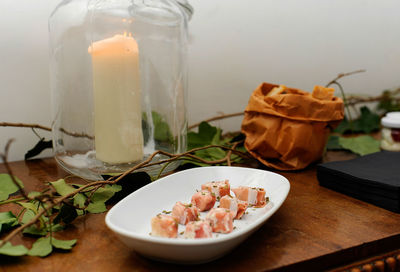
(127, 21)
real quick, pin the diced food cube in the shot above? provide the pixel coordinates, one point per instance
(235, 206)
(230, 203)
(185, 213)
(242, 206)
(219, 188)
(198, 229)
(253, 196)
(163, 225)
(204, 200)
(221, 220)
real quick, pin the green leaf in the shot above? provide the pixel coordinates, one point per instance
(62, 188)
(33, 194)
(7, 221)
(67, 214)
(162, 132)
(42, 247)
(10, 250)
(217, 139)
(333, 143)
(105, 193)
(366, 123)
(34, 230)
(98, 199)
(210, 135)
(28, 215)
(57, 227)
(7, 186)
(63, 244)
(206, 135)
(79, 200)
(343, 127)
(361, 145)
(96, 207)
(203, 137)
(29, 205)
(161, 128)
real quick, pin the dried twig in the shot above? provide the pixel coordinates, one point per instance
(355, 99)
(75, 134)
(335, 81)
(37, 126)
(339, 76)
(23, 125)
(217, 118)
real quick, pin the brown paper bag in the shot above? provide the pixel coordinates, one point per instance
(287, 128)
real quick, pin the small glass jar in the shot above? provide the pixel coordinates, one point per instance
(118, 77)
(391, 131)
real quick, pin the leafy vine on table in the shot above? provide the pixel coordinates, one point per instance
(61, 202)
(41, 214)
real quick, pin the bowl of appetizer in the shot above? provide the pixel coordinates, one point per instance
(197, 215)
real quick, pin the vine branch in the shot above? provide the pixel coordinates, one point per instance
(24, 125)
(53, 201)
(37, 126)
(335, 82)
(223, 116)
(339, 76)
(354, 99)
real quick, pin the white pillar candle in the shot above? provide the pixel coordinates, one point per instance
(117, 100)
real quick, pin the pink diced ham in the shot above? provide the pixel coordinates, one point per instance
(204, 200)
(253, 196)
(221, 220)
(237, 207)
(198, 229)
(219, 188)
(242, 206)
(163, 225)
(185, 213)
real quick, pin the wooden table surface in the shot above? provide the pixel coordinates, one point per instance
(315, 229)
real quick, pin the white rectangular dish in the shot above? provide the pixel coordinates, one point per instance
(130, 218)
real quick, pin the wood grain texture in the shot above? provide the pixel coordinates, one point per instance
(315, 229)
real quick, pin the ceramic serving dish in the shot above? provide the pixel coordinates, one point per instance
(130, 218)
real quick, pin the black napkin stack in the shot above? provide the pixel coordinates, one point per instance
(373, 178)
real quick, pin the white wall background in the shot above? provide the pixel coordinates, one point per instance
(234, 46)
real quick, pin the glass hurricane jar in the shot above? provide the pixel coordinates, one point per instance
(118, 77)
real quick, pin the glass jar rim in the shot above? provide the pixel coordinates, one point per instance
(186, 7)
